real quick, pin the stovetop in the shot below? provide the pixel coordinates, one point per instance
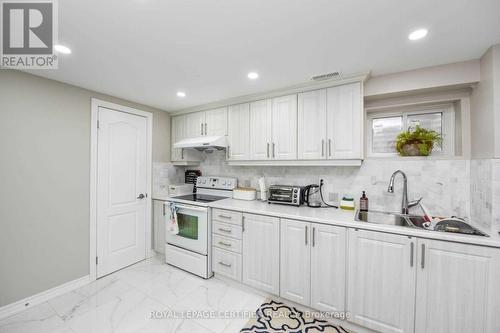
(200, 197)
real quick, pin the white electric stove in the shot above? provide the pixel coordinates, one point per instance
(190, 248)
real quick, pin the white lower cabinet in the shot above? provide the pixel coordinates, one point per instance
(458, 288)
(328, 272)
(312, 266)
(159, 224)
(261, 252)
(381, 281)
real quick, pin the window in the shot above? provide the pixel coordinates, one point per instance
(384, 126)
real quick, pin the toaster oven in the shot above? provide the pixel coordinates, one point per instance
(285, 194)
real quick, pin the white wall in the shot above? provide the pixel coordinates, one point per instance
(44, 193)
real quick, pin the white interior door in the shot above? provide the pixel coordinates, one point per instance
(122, 178)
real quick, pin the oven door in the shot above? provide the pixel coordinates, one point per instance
(193, 228)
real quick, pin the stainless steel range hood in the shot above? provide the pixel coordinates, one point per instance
(203, 142)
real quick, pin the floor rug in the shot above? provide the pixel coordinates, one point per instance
(276, 317)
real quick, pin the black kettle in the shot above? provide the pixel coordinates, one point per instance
(311, 195)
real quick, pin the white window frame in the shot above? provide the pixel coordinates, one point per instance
(448, 126)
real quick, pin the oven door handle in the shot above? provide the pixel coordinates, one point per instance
(200, 209)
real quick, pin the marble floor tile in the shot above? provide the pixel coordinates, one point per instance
(37, 319)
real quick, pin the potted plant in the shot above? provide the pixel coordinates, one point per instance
(417, 142)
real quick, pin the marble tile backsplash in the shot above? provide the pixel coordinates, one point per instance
(444, 184)
(165, 174)
(496, 194)
(481, 191)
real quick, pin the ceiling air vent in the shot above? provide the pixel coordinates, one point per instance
(327, 76)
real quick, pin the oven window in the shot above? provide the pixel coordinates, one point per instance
(188, 226)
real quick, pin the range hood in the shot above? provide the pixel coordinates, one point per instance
(203, 142)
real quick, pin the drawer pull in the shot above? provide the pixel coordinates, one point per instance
(225, 217)
(224, 264)
(225, 230)
(224, 243)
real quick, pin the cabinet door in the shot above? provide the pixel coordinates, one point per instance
(457, 287)
(345, 121)
(178, 130)
(295, 261)
(328, 259)
(284, 128)
(260, 129)
(195, 124)
(312, 125)
(381, 281)
(239, 132)
(159, 223)
(216, 122)
(261, 245)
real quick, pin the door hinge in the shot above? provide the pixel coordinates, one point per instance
(96, 260)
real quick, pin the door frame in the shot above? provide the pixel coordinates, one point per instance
(95, 104)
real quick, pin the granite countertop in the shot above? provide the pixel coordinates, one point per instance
(340, 217)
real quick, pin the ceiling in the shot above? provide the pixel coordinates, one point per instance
(147, 50)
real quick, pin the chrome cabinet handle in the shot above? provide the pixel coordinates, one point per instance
(422, 262)
(274, 155)
(314, 236)
(182, 153)
(201, 131)
(206, 128)
(411, 254)
(268, 150)
(329, 147)
(306, 234)
(225, 230)
(224, 264)
(225, 216)
(225, 244)
(141, 196)
(163, 209)
(322, 148)
(243, 224)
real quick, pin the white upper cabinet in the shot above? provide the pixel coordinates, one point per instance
(284, 128)
(261, 249)
(260, 129)
(312, 125)
(458, 288)
(345, 121)
(328, 259)
(381, 281)
(239, 132)
(179, 132)
(295, 261)
(216, 122)
(195, 124)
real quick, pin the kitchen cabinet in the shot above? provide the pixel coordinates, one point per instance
(457, 287)
(345, 121)
(284, 128)
(312, 125)
(159, 223)
(216, 122)
(239, 132)
(179, 130)
(381, 281)
(295, 261)
(195, 124)
(261, 252)
(260, 129)
(312, 267)
(328, 272)
(227, 231)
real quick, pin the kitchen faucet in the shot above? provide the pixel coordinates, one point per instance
(405, 205)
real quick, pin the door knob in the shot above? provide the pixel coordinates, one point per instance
(141, 196)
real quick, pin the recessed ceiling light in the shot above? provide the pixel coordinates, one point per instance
(181, 94)
(418, 34)
(253, 75)
(62, 49)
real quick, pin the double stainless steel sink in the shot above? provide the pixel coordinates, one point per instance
(412, 221)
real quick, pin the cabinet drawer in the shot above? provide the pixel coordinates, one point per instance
(227, 216)
(226, 243)
(226, 229)
(226, 263)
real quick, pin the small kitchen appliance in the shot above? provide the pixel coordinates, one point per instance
(189, 248)
(311, 195)
(285, 194)
(179, 189)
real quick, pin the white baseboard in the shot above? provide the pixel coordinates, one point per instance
(28, 302)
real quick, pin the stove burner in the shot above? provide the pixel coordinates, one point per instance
(200, 197)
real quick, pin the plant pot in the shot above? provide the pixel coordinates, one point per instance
(415, 149)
